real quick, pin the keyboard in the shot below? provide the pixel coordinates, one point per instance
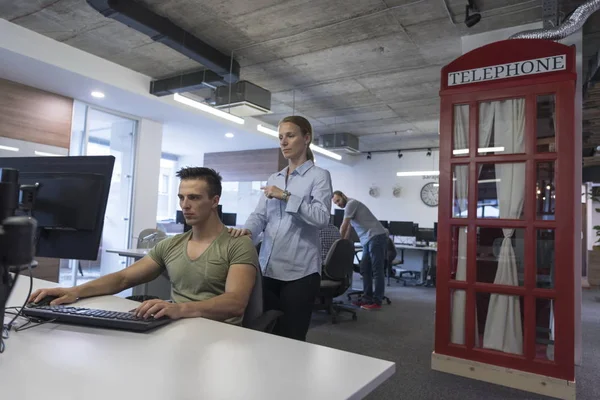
(96, 318)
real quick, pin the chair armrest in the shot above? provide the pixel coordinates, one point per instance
(265, 322)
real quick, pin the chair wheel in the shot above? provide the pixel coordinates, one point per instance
(388, 301)
(334, 320)
(354, 317)
(349, 298)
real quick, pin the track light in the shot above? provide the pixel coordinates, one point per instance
(472, 19)
(400, 154)
(368, 155)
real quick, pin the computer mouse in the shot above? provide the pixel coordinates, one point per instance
(43, 302)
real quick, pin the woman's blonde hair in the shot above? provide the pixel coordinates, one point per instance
(305, 128)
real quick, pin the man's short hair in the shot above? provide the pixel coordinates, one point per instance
(209, 175)
(341, 194)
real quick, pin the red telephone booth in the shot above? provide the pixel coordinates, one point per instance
(505, 278)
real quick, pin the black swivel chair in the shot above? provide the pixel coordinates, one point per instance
(336, 278)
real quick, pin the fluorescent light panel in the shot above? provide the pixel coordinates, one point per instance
(9, 148)
(313, 147)
(479, 150)
(417, 173)
(45, 154)
(208, 109)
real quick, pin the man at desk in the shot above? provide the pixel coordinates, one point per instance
(212, 273)
(374, 241)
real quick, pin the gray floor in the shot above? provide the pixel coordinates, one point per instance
(403, 332)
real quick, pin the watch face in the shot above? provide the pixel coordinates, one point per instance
(429, 194)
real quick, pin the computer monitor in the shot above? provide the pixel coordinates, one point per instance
(229, 219)
(435, 230)
(67, 196)
(180, 219)
(338, 217)
(402, 228)
(426, 235)
(385, 224)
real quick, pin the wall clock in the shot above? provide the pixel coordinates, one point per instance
(429, 194)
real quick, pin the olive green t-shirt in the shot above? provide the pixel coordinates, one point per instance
(204, 277)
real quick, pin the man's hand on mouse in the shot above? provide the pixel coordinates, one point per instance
(158, 308)
(64, 296)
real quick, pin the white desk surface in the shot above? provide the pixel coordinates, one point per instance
(187, 359)
(134, 253)
(358, 246)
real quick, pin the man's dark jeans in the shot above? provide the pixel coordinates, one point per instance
(372, 268)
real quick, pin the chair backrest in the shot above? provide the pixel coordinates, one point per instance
(255, 307)
(339, 264)
(149, 243)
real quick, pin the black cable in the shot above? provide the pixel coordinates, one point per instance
(26, 299)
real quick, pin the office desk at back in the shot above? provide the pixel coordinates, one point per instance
(193, 358)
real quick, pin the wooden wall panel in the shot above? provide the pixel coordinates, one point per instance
(245, 166)
(34, 115)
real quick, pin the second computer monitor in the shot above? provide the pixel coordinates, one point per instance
(385, 224)
(402, 228)
(229, 219)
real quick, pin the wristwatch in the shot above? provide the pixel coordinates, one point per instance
(285, 195)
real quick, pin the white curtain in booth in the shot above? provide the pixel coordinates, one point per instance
(503, 328)
(461, 187)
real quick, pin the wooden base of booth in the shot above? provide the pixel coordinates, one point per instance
(521, 380)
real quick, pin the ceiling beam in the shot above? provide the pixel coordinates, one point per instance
(162, 30)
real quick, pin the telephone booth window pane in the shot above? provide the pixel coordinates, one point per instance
(458, 303)
(546, 124)
(544, 329)
(459, 253)
(499, 322)
(500, 256)
(501, 127)
(501, 190)
(545, 250)
(545, 191)
(460, 139)
(460, 191)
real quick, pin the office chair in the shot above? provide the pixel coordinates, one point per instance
(336, 279)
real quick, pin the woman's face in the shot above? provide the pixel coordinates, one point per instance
(292, 142)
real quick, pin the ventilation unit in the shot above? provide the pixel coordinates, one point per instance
(339, 141)
(243, 99)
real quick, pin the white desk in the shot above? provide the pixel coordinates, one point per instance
(188, 359)
(136, 254)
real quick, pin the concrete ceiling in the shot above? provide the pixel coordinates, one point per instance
(368, 67)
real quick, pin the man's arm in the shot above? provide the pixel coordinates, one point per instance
(142, 271)
(345, 229)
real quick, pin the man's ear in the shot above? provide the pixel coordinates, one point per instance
(215, 201)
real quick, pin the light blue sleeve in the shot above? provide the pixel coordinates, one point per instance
(315, 213)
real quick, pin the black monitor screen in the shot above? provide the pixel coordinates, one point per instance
(229, 219)
(385, 224)
(425, 235)
(65, 200)
(401, 228)
(435, 230)
(70, 202)
(338, 217)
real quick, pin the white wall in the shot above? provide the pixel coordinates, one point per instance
(196, 160)
(147, 170)
(381, 171)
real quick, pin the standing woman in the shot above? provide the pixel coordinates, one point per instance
(295, 207)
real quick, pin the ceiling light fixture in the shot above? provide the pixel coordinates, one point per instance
(229, 135)
(97, 94)
(417, 173)
(208, 109)
(472, 19)
(45, 154)
(9, 148)
(313, 147)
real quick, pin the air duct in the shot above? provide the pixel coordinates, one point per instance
(162, 30)
(572, 24)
